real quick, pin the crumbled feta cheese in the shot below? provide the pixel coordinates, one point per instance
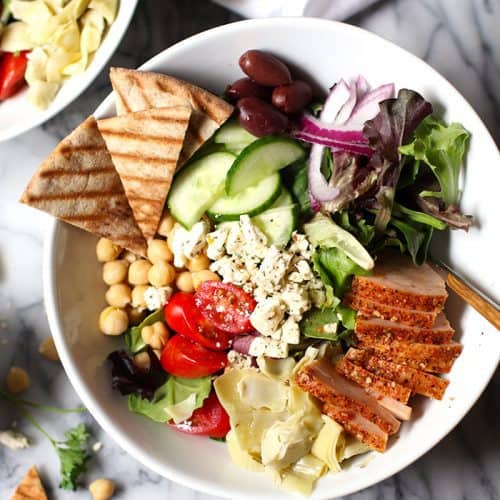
(156, 298)
(258, 346)
(296, 299)
(238, 360)
(235, 241)
(215, 244)
(177, 237)
(277, 349)
(267, 316)
(96, 446)
(196, 239)
(255, 240)
(290, 332)
(300, 245)
(13, 440)
(274, 267)
(330, 327)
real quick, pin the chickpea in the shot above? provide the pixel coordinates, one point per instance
(102, 489)
(198, 263)
(138, 296)
(138, 272)
(130, 256)
(114, 272)
(166, 225)
(161, 274)
(158, 353)
(106, 250)
(184, 282)
(136, 315)
(113, 321)
(155, 335)
(201, 276)
(119, 295)
(47, 349)
(17, 380)
(142, 361)
(158, 250)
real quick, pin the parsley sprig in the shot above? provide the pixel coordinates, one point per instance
(72, 452)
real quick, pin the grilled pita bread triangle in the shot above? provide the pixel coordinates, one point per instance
(139, 90)
(145, 147)
(30, 488)
(78, 183)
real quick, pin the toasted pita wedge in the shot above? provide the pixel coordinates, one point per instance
(145, 147)
(139, 90)
(78, 183)
(30, 488)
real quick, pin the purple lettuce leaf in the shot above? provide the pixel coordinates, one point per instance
(450, 214)
(391, 128)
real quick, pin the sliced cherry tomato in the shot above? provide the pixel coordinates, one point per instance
(209, 420)
(12, 69)
(184, 358)
(227, 306)
(183, 317)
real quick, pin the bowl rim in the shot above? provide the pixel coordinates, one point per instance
(49, 291)
(106, 50)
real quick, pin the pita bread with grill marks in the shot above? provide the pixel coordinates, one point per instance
(139, 90)
(78, 183)
(30, 488)
(145, 147)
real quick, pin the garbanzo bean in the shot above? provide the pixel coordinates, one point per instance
(166, 225)
(119, 295)
(198, 263)
(201, 276)
(161, 274)
(102, 489)
(115, 271)
(142, 361)
(155, 335)
(136, 314)
(138, 296)
(138, 272)
(17, 380)
(158, 250)
(48, 350)
(129, 256)
(184, 282)
(113, 321)
(106, 250)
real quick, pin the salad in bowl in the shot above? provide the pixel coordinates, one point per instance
(265, 255)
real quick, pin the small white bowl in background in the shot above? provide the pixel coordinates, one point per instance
(74, 292)
(18, 115)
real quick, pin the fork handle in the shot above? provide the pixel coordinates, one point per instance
(487, 310)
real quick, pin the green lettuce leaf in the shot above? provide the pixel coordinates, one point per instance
(168, 399)
(442, 148)
(332, 324)
(133, 338)
(417, 238)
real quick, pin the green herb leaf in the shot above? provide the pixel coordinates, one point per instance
(442, 148)
(347, 316)
(314, 321)
(416, 216)
(133, 338)
(417, 238)
(73, 456)
(175, 391)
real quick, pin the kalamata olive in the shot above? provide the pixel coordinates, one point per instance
(264, 68)
(260, 118)
(292, 98)
(244, 87)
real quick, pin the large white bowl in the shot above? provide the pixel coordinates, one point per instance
(74, 292)
(18, 115)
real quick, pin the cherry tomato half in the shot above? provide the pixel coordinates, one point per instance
(209, 420)
(226, 306)
(184, 358)
(12, 69)
(183, 317)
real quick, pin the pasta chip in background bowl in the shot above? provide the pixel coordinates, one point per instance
(69, 42)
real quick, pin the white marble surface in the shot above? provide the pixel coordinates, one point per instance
(461, 38)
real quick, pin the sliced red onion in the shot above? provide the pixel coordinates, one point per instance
(315, 204)
(314, 127)
(346, 110)
(352, 147)
(362, 87)
(242, 343)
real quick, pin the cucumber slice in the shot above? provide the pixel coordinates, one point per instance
(260, 160)
(322, 231)
(284, 200)
(233, 133)
(277, 224)
(251, 201)
(197, 186)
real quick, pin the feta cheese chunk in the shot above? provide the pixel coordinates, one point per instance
(196, 239)
(13, 440)
(277, 349)
(156, 298)
(267, 316)
(290, 332)
(215, 244)
(258, 346)
(238, 360)
(296, 299)
(177, 237)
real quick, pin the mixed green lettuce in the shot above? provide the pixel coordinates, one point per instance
(133, 338)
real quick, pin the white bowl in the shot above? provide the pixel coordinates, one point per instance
(18, 115)
(74, 292)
